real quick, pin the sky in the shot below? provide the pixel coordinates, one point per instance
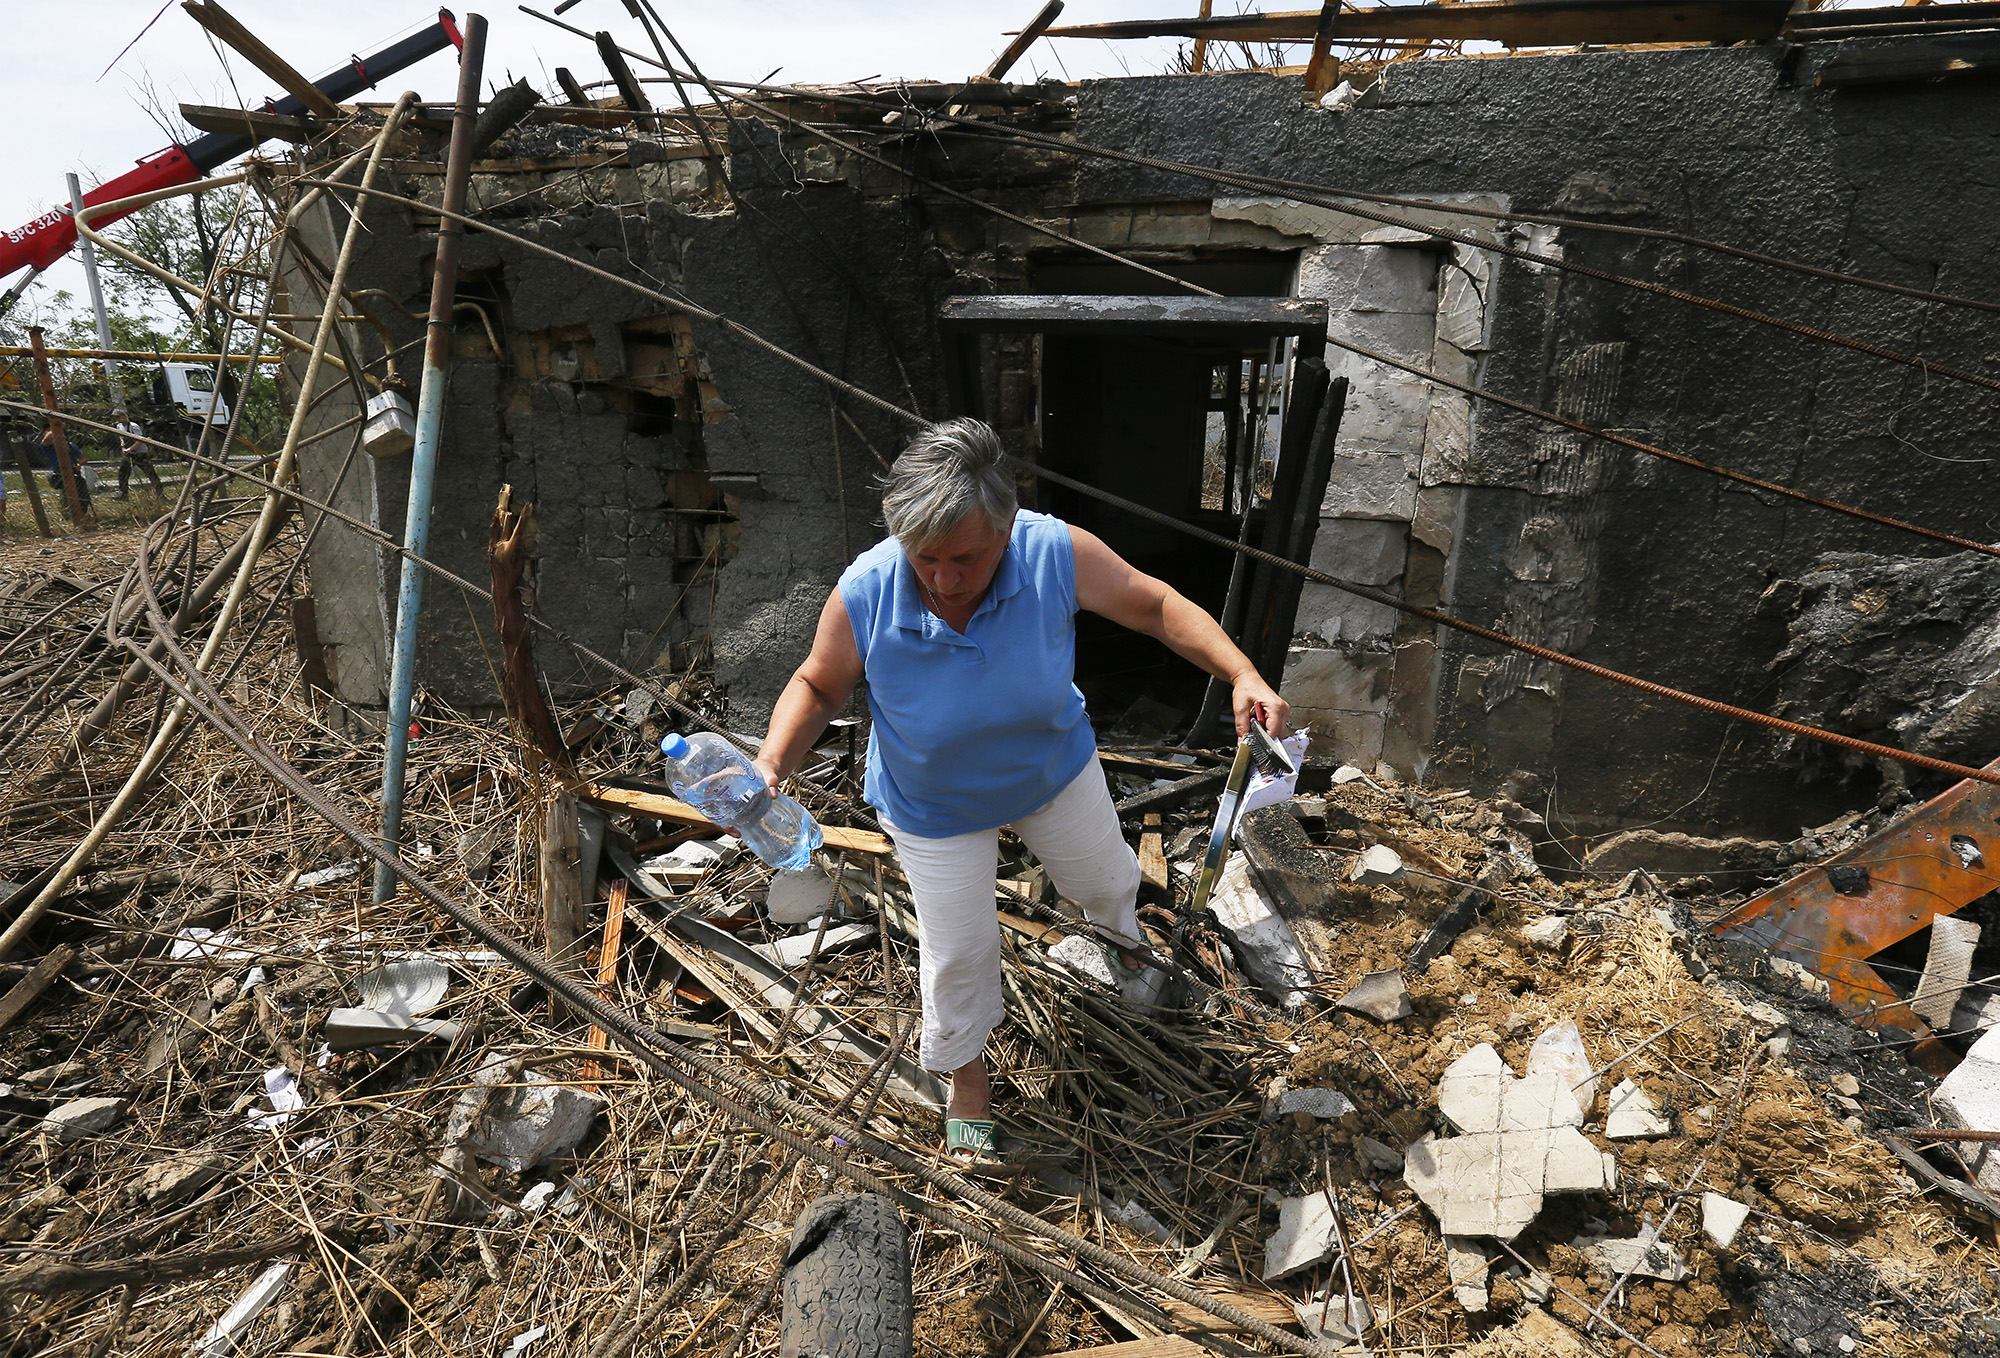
(73, 102)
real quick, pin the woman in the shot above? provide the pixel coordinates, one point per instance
(963, 623)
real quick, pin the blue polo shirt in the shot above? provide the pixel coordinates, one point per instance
(971, 731)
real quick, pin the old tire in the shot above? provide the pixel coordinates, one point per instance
(847, 1281)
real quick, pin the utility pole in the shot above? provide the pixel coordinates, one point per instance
(112, 385)
(72, 500)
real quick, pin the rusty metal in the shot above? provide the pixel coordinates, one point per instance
(58, 449)
(1946, 1134)
(1833, 917)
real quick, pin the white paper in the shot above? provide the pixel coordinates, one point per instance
(286, 1100)
(1266, 791)
(221, 1337)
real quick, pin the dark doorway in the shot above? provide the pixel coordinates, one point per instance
(1168, 423)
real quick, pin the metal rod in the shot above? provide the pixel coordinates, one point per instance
(58, 442)
(89, 254)
(423, 458)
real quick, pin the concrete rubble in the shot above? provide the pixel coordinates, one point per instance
(1380, 995)
(1630, 1115)
(1517, 1142)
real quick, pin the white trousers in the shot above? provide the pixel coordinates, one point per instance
(1076, 837)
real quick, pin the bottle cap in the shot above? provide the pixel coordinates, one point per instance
(673, 745)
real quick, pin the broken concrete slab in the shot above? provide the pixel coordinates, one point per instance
(1970, 1097)
(1379, 1155)
(1548, 933)
(61, 1073)
(180, 1175)
(1380, 995)
(1722, 1218)
(1643, 1256)
(1263, 942)
(534, 1120)
(1629, 1115)
(1469, 1262)
(1947, 967)
(81, 1117)
(1324, 1104)
(1330, 1317)
(1085, 957)
(1518, 1142)
(1377, 865)
(1304, 1237)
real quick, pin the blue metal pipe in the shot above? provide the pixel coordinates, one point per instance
(423, 458)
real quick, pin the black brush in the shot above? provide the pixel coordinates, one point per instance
(1267, 754)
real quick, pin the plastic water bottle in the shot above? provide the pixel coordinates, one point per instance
(712, 776)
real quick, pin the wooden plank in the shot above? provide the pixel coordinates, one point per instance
(670, 808)
(607, 972)
(1516, 23)
(252, 123)
(1234, 318)
(1807, 24)
(1265, 1306)
(1164, 1346)
(1319, 79)
(1974, 55)
(1153, 854)
(30, 987)
(1025, 39)
(225, 26)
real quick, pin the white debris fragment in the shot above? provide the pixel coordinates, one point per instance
(1324, 1104)
(1134, 1217)
(1947, 967)
(283, 1090)
(1347, 773)
(1304, 1236)
(1559, 1052)
(1629, 1114)
(795, 897)
(1380, 1155)
(1548, 933)
(524, 1125)
(1518, 1141)
(63, 1072)
(1327, 1317)
(221, 1337)
(1469, 1262)
(339, 872)
(1722, 1218)
(1643, 1255)
(1970, 1097)
(789, 952)
(1377, 865)
(1261, 939)
(1380, 995)
(520, 1342)
(81, 1117)
(1085, 957)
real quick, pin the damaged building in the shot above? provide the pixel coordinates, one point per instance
(1616, 971)
(697, 497)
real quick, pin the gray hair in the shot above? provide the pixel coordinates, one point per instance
(949, 471)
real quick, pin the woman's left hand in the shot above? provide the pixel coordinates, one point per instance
(1249, 692)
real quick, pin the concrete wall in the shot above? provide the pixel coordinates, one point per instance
(1587, 548)
(715, 506)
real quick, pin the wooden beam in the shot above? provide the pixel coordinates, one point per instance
(253, 123)
(607, 973)
(1025, 39)
(1163, 1346)
(1318, 79)
(1515, 23)
(670, 808)
(1968, 56)
(1153, 854)
(225, 26)
(30, 987)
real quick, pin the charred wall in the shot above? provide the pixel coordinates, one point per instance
(698, 495)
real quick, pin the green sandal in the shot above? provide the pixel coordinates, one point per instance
(973, 1140)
